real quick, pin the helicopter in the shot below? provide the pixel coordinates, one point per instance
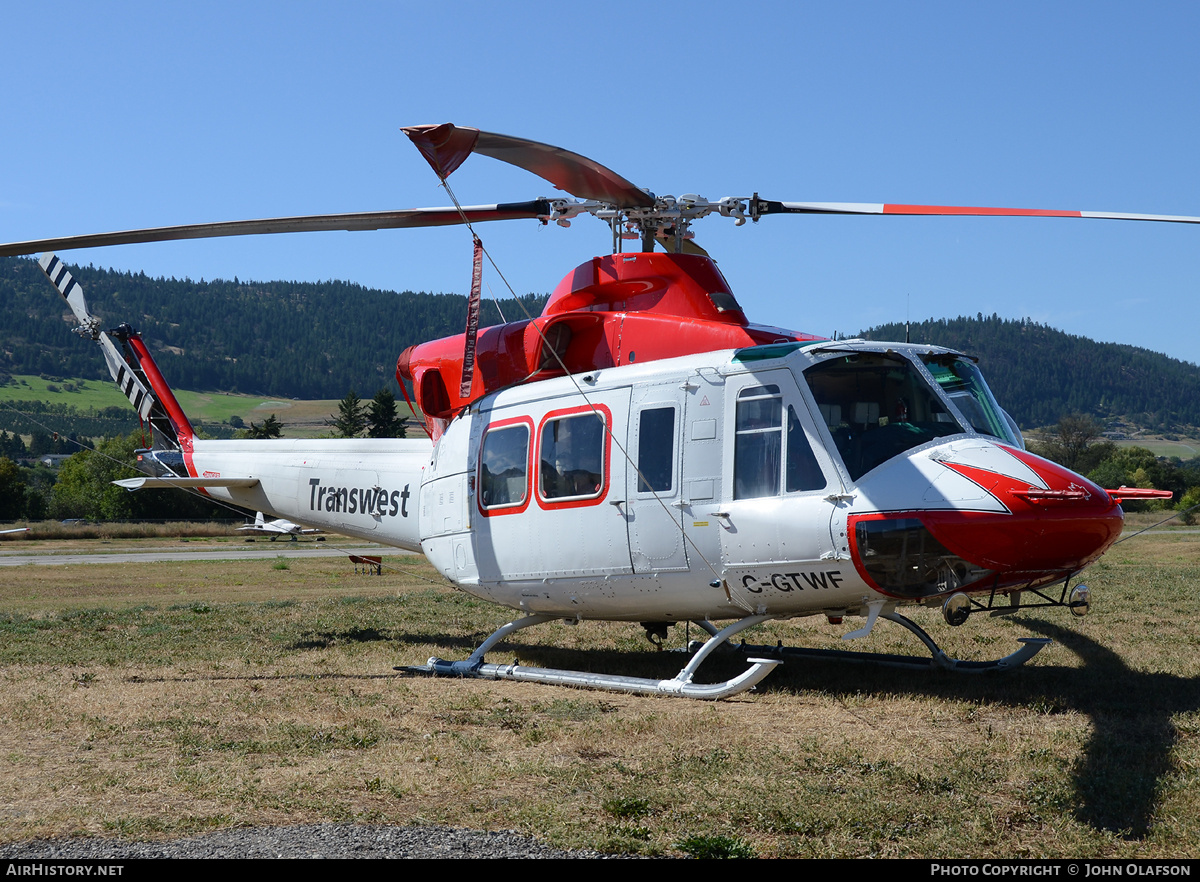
(642, 452)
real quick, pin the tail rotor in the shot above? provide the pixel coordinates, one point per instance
(124, 366)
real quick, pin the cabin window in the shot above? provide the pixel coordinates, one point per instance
(504, 467)
(656, 450)
(903, 558)
(572, 457)
(877, 405)
(758, 446)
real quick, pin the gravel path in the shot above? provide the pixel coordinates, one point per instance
(313, 841)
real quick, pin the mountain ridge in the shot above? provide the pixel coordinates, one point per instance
(1039, 373)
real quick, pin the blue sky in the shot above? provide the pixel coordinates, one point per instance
(126, 115)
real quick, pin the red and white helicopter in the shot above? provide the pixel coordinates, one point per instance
(642, 452)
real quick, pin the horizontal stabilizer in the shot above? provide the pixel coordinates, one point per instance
(1138, 493)
(184, 483)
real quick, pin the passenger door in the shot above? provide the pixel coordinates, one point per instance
(653, 507)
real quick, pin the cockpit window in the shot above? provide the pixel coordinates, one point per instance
(876, 406)
(961, 380)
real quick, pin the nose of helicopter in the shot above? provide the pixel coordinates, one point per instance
(978, 513)
(1036, 516)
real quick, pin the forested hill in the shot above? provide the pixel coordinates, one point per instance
(318, 340)
(282, 339)
(1040, 374)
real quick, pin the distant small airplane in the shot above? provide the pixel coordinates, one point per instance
(277, 527)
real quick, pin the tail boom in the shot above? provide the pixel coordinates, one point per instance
(363, 487)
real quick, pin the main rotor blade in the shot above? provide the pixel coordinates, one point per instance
(367, 220)
(767, 207)
(446, 146)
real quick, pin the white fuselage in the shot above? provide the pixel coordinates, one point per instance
(656, 492)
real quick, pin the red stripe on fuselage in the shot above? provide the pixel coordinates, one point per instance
(1039, 533)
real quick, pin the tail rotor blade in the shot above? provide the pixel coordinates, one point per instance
(139, 396)
(133, 388)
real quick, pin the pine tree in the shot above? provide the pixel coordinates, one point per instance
(12, 490)
(268, 428)
(351, 418)
(382, 421)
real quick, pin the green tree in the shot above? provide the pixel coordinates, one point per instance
(1138, 467)
(84, 488)
(1190, 500)
(351, 418)
(35, 502)
(268, 428)
(382, 421)
(13, 447)
(12, 490)
(39, 443)
(1074, 443)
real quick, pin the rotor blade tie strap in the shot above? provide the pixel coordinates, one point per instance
(472, 331)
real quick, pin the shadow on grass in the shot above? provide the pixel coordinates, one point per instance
(1116, 783)
(1129, 753)
(325, 639)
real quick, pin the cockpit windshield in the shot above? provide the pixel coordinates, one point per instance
(961, 380)
(877, 405)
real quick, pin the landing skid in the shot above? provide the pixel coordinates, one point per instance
(681, 684)
(1032, 646)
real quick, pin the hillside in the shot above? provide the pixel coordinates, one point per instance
(281, 339)
(317, 340)
(1039, 373)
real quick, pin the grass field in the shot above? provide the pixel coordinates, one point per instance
(301, 419)
(160, 700)
(1184, 449)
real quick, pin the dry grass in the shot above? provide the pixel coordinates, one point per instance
(166, 699)
(59, 530)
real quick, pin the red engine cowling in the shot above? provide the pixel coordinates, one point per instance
(613, 310)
